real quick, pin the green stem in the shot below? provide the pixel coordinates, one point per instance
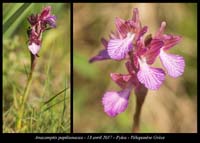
(140, 93)
(24, 98)
(25, 95)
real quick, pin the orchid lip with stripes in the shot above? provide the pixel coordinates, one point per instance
(128, 43)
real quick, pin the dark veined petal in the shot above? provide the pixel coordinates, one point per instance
(120, 79)
(151, 77)
(33, 19)
(140, 48)
(170, 41)
(115, 102)
(45, 12)
(174, 64)
(142, 32)
(118, 48)
(153, 50)
(122, 28)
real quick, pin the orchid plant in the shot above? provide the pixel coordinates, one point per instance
(39, 24)
(139, 53)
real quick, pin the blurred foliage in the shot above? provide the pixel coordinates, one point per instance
(52, 73)
(172, 108)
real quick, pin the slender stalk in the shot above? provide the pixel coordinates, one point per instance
(140, 97)
(140, 93)
(24, 98)
(25, 94)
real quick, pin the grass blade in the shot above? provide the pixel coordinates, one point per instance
(53, 105)
(9, 10)
(55, 96)
(64, 103)
(16, 15)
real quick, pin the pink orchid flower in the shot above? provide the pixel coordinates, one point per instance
(128, 43)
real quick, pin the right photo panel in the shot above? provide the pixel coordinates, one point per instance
(134, 68)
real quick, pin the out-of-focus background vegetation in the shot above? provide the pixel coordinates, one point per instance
(52, 72)
(172, 108)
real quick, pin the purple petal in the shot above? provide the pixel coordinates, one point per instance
(51, 20)
(135, 17)
(104, 42)
(170, 41)
(153, 50)
(118, 48)
(120, 79)
(173, 63)
(142, 32)
(151, 77)
(102, 55)
(122, 28)
(45, 12)
(140, 48)
(33, 19)
(161, 30)
(115, 102)
(34, 48)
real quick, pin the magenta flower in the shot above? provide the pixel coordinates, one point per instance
(128, 43)
(174, 64)
(47, 18)
(127, 33)
(121, 42)
(39, 24)
(115, 102)
(151, 77)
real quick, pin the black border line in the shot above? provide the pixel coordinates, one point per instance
(30, 137)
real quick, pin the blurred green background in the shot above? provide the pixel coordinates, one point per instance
(52, 73)
(172, 108)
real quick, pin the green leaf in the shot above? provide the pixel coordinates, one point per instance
(15, 18)
(9, 9)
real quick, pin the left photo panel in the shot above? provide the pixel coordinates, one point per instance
(36, 68)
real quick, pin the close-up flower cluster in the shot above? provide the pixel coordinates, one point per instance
(39, 24)
(129, 44)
